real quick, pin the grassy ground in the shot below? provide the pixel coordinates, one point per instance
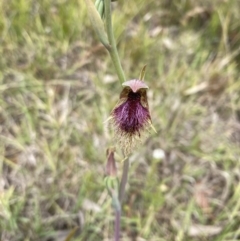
(58, 86)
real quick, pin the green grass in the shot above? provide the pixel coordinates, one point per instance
(58, 86)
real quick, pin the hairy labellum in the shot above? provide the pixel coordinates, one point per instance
(131, 115)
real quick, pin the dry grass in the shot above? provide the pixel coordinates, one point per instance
(58, 86)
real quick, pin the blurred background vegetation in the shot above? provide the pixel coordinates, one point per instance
(58, 86)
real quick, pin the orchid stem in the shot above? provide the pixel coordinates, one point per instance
(113, 49)
(121, 76)
(124, 180)
(117, 207)
(117, 225)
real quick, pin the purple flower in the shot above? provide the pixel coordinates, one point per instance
(131, 115)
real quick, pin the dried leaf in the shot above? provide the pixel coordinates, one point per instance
(197, 88)
(203, 230)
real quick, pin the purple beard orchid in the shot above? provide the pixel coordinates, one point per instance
(131, 115)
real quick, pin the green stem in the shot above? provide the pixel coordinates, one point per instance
(113, 49)
(117, 225)
(124, 180)
(117, 207)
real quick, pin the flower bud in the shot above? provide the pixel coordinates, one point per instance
(111, 169)
(97, 23)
